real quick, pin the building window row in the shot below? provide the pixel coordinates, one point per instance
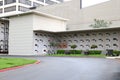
(23, 9)
(60, 0)
(1, 10)
(9, 9)
(27, 2)
(9, 1)
(50, 2)
(35, 4)
(41, 0)
(1, 3)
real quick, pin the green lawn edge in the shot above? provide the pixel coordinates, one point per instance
(77, 55)
(14, 62)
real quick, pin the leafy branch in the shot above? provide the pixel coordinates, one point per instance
(100, 23)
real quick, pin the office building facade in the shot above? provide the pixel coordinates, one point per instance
(31, 33)
(11, 7)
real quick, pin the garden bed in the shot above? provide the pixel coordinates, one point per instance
(78, 55)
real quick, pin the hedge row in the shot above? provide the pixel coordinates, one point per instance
(60, 51)
(115, 52)
(78, 51)
(75, 51)
(70, 51)
(94, 51)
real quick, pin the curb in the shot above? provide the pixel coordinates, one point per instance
(17, 67)
(113, 57)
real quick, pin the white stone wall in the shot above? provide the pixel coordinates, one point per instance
(42, 43)
(48, 23)
(84, 40)
(21, 35)
(103, 39)
(21, 32)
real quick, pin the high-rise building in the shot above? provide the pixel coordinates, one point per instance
(10, 7)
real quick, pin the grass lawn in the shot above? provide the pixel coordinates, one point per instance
(78, 55)
(13, 62)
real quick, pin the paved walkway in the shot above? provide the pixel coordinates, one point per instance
(64, 68)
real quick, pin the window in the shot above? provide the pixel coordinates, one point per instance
(1, 3)
(41, 35)
(87, 34)
(108, 34)
(36, 45)
(76, 41)
(94, 40)
(108, 39)
(1, 10)
(60, 0)
(81, 46)
(108, 45)
(9, 9)
(50, 2)
(36, 4)
(9, 1)
(75, 35)
(115, 45)
(87, 3)
(101, 34)
(101, 45)
(27, 2)
(23, 9)
(115, 39)
(81, 40)
(87, 40)
(88, 46)
(41, 0)
(94, 34)
(100, 39)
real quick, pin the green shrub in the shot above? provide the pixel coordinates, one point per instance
(117, 53)
(73, 46)
(94, 46)
(60, 51)
(71, 51)
(75, 51)
(95, 51)
(78, 51)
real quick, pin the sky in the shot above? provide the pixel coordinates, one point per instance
(86, 3)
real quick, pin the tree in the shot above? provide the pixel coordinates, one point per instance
(100, 23)
(73, 46)
(52, 44)
(94, 46)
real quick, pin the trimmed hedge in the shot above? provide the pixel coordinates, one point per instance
(94, 51)
(60, 51)
(117, 53)
(71, 51)
(75, 51)
(80, 51)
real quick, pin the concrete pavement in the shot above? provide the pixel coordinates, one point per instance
(66, 68)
